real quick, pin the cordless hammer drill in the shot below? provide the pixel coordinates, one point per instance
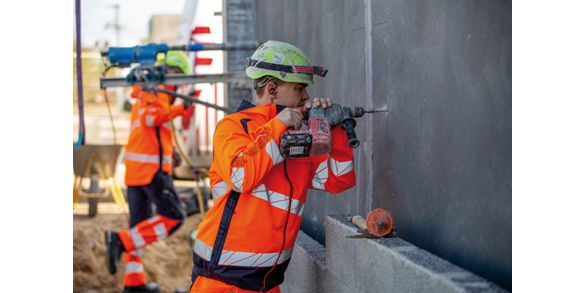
(316, 140)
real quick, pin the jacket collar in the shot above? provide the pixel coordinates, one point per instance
(245, 104)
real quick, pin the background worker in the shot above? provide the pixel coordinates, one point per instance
(245, 242)
(148, 160)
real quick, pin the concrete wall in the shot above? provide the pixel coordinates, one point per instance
(440, 161)
(239, 25)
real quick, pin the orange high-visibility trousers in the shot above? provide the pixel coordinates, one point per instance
(133, 270)
(207, 285)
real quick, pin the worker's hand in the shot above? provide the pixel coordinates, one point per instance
(291, 117)
(319, 102)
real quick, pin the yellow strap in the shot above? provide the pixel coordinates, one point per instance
(76, 183)
(118, 196)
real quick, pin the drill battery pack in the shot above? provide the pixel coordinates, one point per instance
(295, 144)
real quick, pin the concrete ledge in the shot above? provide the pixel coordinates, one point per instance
(307, 270)
(372, 265)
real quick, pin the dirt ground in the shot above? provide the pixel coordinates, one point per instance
(167, 262)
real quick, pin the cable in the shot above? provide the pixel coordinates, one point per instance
(188, 98)
(200, 202)
(284, 228)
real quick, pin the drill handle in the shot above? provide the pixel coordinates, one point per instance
(348, 125)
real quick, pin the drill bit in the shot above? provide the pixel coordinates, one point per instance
(382, 109)
(376, 111)
(359, 111)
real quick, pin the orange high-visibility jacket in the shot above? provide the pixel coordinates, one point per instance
(241, 238)
(150, 133)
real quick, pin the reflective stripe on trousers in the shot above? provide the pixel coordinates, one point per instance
(241, 258)
(133, 267)
(133, 270)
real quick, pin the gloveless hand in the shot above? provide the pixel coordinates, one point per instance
(319, 102)
(291, 117)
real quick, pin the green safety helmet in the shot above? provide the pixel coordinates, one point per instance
(282, 61)
(178, 59)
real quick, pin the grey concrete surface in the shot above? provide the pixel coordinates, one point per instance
(307, 270)
(440, 161)
(372, 265)
(239, 25)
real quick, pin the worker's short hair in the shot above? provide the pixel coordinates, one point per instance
(260, 83)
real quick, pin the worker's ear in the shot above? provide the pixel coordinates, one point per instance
(272, 88)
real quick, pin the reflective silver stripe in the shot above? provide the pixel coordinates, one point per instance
(154, 219)
(341, 168)
(136, 238)
(273, 151)
(219, 189)
(242, 259)
(278, 200)
(202, 249)
(154, 159)
(133, 267)
(136, 252)
(150, 120)
(160, 231)
(135, 124)
(141, 111)
(321, 176)
(237, 178)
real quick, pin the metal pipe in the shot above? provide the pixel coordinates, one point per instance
(178, 79)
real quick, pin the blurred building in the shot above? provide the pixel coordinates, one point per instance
(164, 28)
(92, 67)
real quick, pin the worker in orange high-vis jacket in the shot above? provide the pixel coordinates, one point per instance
(245, 242)
(148, 160)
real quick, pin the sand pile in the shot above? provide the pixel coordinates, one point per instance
(167, 262)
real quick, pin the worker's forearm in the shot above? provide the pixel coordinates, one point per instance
(177, 110)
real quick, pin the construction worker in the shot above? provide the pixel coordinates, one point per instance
(245, 241)
(148, 160)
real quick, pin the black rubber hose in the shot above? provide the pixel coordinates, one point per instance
(188, 98)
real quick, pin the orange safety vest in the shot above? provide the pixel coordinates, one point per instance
(150, 135)
(240, 241)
